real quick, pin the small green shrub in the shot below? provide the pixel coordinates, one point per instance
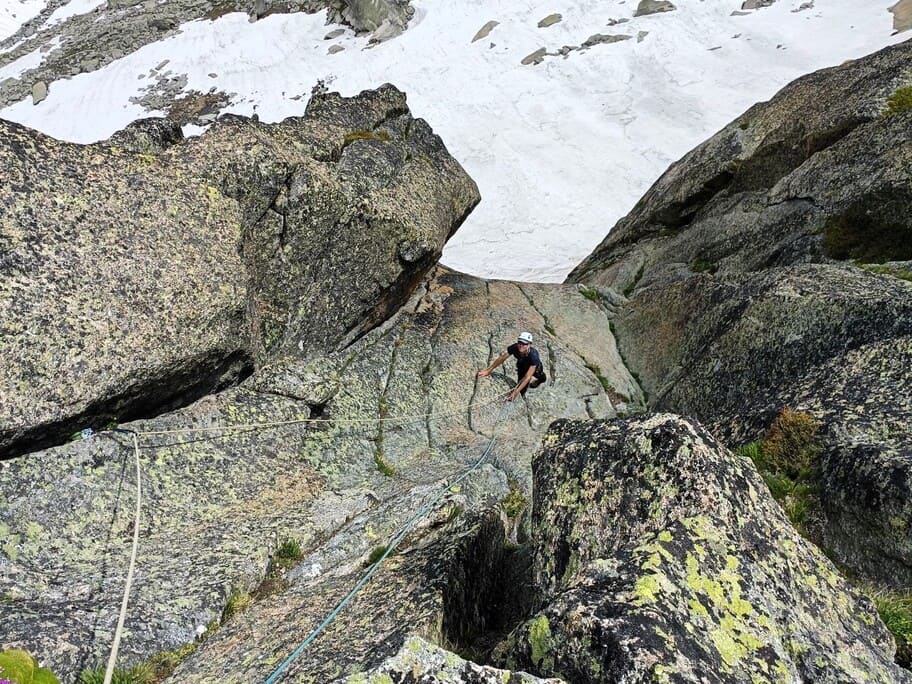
(750, 450)
(139, 674)
(238, 601)
(899, 101)
(18, 666)
(514, 503)
(790, 445)
(787, 460)
(590, 293)
(375, 555)
(290, 549)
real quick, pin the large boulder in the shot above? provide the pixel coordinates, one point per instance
(392, 16)
(147, 270)
(216, 504)
(660, 556)
(769, 268)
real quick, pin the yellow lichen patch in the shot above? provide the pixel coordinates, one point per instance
(645, 590)
(662, 673)
(697, 608)
(540, 642)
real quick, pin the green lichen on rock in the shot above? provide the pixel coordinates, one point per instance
(540, 641)
(716, 572)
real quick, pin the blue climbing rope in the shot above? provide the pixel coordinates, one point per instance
(394, 542)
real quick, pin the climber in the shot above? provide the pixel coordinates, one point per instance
(529, 369)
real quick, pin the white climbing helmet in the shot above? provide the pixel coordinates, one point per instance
(525, 337)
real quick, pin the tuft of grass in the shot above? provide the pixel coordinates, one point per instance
(375, 555)
(787, 459)
(138, 674)
(590, 293)
(597, 372)
(703, 265)
(289, 549)
(615, 396)
(895, 610)
(164, 663)
(238, 601)
(884, 269)
(515, 502)
(900, 101)
(383, 466)
(288, 552)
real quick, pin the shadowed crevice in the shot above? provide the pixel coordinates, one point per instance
(172, 389)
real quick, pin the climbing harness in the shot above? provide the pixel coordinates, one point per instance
(228, 429)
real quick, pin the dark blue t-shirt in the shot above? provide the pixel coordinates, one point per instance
(524, 362)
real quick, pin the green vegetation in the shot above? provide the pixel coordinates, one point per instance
(238, 601)
(382, 465)
(895, 610)
(787, 459)
(597, 372)
(514, 503)
(703, 265)
(139, 674)
(375, 555)
(899, 101)
(19, 667)
(288, 553)
(881, 269)
(590, 293)
(379, 461)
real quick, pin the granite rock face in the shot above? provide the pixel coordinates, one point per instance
(298, 237)
(218, 503)
(770, 267)
(660, 556)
